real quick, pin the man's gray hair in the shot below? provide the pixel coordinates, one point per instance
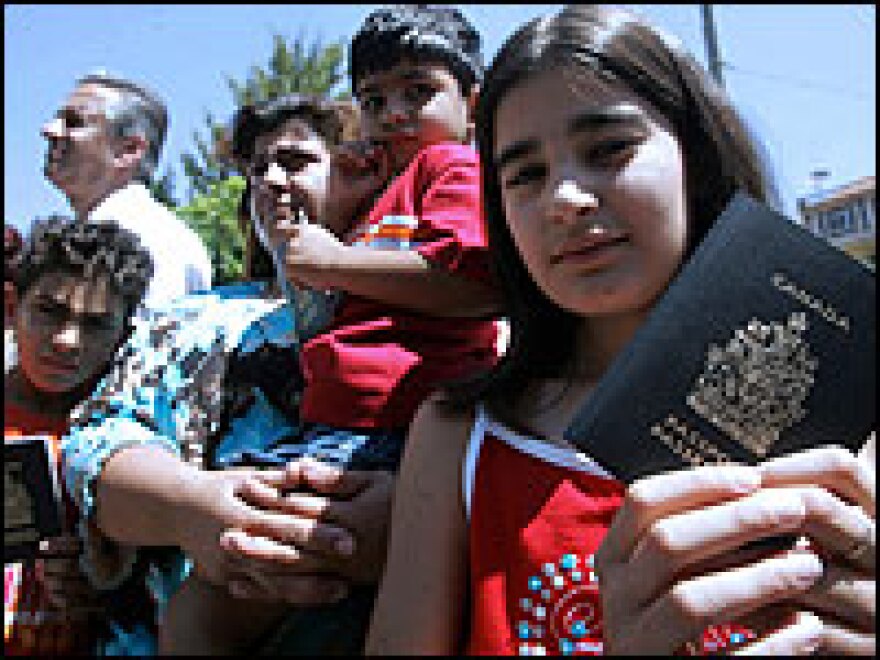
(138, 112)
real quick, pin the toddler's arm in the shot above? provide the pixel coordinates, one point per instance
(403, 278)
(443, 273)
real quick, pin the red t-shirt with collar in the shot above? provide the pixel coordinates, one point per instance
(376, 363)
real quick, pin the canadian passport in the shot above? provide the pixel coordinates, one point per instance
(31, 502)
(763, 345)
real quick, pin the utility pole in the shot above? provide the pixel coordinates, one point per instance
(711, 44)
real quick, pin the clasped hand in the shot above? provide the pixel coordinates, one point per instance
(299, 534)
(672, 563)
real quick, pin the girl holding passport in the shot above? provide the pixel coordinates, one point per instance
(607, 154)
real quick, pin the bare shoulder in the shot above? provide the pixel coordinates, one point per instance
(439, 429)
(437, 443)
(437, 410)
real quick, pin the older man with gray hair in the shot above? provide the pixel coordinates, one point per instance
(104, 144)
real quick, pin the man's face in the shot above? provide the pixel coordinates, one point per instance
(67, 329)
(79, 156)
(288, 173)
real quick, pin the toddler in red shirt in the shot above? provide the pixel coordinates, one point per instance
(417, 306)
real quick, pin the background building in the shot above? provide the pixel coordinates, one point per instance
(845, 216)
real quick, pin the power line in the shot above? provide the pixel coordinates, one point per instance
(798, 82)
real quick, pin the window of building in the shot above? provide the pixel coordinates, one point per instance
(839, 221)
(858, 214)
(833, 224)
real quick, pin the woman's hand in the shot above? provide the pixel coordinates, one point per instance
(147, 496)
(358, 501)
(215, 505)
(311, 251)
(669, 566)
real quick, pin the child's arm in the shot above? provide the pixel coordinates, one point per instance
(429, 278)
(316, 258)
(422, 598)
(203, 619)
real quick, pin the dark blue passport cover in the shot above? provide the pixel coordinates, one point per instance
(764, 344)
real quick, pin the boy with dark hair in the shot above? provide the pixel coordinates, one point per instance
(418, 303)
(77, 285)
(405, 41)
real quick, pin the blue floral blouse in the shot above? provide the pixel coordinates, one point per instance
(205, 377)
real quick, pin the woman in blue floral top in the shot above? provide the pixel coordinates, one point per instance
(211, 381)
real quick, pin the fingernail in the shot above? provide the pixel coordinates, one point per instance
(345, 546)
(805, 567)
(789, 508)
(319, 469)
(744, 478)
(813, 639)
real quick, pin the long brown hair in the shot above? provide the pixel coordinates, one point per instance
(721, 157)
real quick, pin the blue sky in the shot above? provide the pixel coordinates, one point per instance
(804, 75)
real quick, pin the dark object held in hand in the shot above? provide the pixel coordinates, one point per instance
(31, 499)
(763, 345)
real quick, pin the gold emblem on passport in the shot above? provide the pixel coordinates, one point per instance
(755, 387)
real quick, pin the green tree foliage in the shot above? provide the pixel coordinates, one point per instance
(214, 216)
(306, 69)
(310, 68)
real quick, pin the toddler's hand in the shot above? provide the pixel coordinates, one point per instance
(311, 251)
